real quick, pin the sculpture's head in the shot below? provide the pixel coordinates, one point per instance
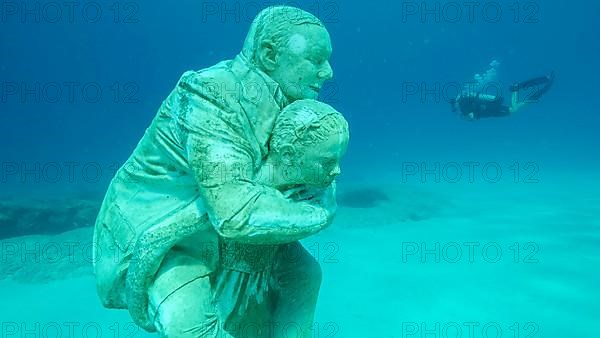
(307, 144)
(293, 47)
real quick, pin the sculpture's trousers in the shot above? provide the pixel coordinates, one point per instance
(187, 306)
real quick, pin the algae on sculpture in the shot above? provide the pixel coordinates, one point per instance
(310, 137)
(184, 175)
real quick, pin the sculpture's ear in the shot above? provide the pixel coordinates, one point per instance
(287, 154)
(267, 55)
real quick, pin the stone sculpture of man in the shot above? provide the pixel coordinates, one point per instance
(194, 167)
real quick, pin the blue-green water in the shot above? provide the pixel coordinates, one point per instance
(446, 228)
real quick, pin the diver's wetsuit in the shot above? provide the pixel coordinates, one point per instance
(481, 107)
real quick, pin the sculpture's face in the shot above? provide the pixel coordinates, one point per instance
(313, 167)
(318, 165)
(303, 66)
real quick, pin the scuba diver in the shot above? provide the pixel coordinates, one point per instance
(474, 104)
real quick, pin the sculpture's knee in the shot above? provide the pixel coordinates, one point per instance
(313, 272)
(296, 291)
(298, 268)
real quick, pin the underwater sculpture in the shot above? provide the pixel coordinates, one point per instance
(309, 137)
(190, 183)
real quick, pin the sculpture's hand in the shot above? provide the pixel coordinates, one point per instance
(326, 199)
(321, 197)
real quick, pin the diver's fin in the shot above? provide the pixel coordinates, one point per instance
(538, 93)
(536, 81)
(546, 80)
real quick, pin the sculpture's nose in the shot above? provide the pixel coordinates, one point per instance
(335, 171)
(326, 73)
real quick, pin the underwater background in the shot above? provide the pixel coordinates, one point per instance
(420, 186)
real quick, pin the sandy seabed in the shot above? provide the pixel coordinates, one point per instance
(401, 260)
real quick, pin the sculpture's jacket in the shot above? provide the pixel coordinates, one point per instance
(193, 170)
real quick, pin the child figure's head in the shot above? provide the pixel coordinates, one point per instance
(307, 144)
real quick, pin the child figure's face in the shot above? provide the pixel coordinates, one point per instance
(314, 166)
(319, 164)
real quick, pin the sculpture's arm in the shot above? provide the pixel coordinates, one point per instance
(239, 208)
(244, 211)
